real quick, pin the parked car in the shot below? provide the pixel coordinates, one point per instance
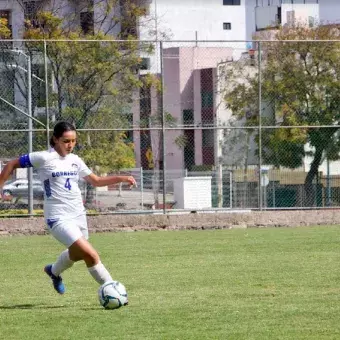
(19, 188)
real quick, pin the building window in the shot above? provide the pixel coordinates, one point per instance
(87, 22)
(208, 147)
(145, 102)
(227, 25)
(290, 18)
(31, 9)
(145, 64)
(128, 136)
(231, 2)
(128, 22)
(208, 138)
(5, 14)
(189, 149)
(207, 100)
(311, 22)
(128, 133)
(188, 117)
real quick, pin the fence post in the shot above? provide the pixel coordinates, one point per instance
(46, 97)
(328, 199)
(163, 126)
(220, 186)
(231, 189)
(260, 193)
(30, 134)
(142, 187)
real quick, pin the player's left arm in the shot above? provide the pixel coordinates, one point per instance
(101, 181)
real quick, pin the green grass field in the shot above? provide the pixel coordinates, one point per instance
(224, 284)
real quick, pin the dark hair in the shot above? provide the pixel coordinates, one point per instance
(59, 130)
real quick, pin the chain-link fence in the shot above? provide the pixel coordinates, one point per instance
(201, 125)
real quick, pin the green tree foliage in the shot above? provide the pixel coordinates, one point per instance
(300, 82)
(108, 153)
(87, 75)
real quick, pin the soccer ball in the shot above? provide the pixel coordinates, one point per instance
(112, 295)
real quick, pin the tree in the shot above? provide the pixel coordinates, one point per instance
(94, 80)
(300, 81)
(106, 151)
(87, 75)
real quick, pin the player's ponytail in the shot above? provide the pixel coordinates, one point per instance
(59, 130)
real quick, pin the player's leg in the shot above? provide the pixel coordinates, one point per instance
(83, 250)
(66, 232)
(62, 263)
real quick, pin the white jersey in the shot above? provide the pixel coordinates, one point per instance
(60, 176)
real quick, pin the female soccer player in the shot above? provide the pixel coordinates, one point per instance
(60, 170)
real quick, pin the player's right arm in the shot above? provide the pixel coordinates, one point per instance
(8, 170)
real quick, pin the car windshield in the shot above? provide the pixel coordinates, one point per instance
(9, 182)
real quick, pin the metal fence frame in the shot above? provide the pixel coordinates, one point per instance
(163, 129)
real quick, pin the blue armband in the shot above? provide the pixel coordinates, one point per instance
(25, 162)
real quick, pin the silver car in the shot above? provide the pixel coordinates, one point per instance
(19, 188)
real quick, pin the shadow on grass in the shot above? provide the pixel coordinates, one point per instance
(31, 306)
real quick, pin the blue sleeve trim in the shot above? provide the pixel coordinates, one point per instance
(25, 161)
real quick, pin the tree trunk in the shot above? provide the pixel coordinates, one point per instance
(60, 102)
(310, 192)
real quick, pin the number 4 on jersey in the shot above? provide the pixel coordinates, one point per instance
(67, 184)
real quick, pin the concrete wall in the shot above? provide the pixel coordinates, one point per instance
(129, 223)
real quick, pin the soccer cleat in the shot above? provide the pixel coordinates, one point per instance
(56, 280)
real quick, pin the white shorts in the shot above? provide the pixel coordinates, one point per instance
(70, 230)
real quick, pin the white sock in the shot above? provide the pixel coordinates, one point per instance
(100, 273)
(63, 262)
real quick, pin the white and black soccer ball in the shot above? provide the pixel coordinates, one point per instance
(112, 295)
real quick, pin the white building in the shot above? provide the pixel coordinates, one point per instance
(271, 13)
(196, 20)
